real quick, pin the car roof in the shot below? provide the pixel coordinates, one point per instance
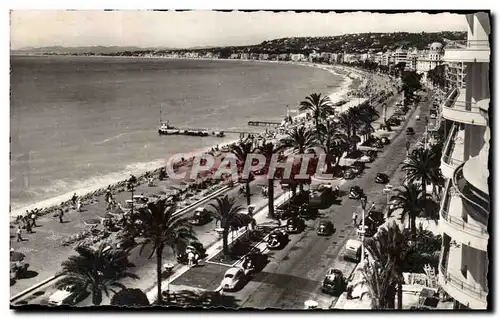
(351, 243)
(233, 271)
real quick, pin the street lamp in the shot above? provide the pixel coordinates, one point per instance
(363, 206)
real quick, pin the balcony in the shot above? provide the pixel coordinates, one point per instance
(476, 203)
(452, 280)
(458, 224)
(467, 51)
(456, 109)
(453, 152)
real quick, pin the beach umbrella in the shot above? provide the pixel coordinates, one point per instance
(16, 256)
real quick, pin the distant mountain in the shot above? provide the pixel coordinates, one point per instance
(76, 50)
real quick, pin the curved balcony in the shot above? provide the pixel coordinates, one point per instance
(468, 51)
(456, 222)
(475, 202)
(453, 153)
(456, 109)
(472, 296)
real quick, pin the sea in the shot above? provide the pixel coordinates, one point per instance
(80, 123)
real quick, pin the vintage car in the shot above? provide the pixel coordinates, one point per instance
(385, 141)
(254, 262)
(234, 278)
(352, 250)
(334, 283)
(355, 192)
(67, 295)
(277, 240)
(325, 228)
(295, 225)
(381, 178)
(358, 167)
(410, 131)
(349, 174)
(201, 217)
(365, 159)
(195, 247)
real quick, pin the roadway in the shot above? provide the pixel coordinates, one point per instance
(295, 274)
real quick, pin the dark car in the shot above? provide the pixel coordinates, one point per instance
(325, 228)
(308, 212)
(277, 240)
(382, 178)
(295, 225)
(349, 174)
(358, 167)
(195, 247)
(355, 192)
(410, 131)
(254, 261)
(201, 217)
(385, 141)
(334, 282)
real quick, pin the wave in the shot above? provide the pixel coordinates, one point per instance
(109, 139)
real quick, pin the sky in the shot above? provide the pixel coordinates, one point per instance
(205, 28)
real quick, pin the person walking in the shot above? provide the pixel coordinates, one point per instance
(190, 258)
(355, 219)
(29, 230)
(79, 205)
(18, 233)
(73, 199)
(61, 215)
(33, 218)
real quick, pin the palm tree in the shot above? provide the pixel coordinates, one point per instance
(241, 150)
(410, 200)
(300, 139)
(130, 297)
(377, 276)
(350, 122)
(319, 105)
(95, 270)
(422, 166)
(162, 228)
(227, 212)
(332, 142)
(390, 245)
(268, 150)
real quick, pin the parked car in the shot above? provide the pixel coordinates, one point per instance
(410, 131)
(64, 296)
(234, 278)
(349, 174)
(372, 154)
(201, 217)
(295, 225)
(355, 192)
(308, 212)
(334, 282)
(382, 178)
(195, 246)
(385, 141)
(365, 159)
(352, 250)
(358, 167)
(277, 240)
(417, 117)
(325, 228)
(254, 261)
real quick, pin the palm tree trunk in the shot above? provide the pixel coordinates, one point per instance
(96, 297)
(225, 246)
(400, 294)
(247, 191)
(270, 194)
(159, 253)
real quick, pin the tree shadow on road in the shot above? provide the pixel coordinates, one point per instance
(203, 299)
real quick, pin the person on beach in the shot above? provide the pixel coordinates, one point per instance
(28, 227)
(18, 233)
(355, 219)
(61, 215)
(73, 199)
(33, 218)
(78, 205)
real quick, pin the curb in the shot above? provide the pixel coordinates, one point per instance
(30, 289)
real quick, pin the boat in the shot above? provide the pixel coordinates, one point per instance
(166, 129)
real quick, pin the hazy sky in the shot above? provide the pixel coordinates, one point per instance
(203, 28)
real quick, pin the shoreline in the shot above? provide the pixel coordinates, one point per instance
(47, 206)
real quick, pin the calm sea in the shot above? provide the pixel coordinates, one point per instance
(78, 123)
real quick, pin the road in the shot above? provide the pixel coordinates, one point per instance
(295, 273)
(146, 268)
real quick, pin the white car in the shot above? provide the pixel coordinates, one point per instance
(62, 296)
(365, 159)
(233, 278)
(433, 116)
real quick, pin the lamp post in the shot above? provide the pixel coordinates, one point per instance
(363, 206)
(131, 189)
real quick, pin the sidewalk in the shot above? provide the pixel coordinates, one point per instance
(210, 274)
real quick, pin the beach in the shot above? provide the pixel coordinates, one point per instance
(134, 145)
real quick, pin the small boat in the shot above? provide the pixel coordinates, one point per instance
(166, 129)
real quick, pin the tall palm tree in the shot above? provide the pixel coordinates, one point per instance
(227, 212)
(319, 105)
(377, 276)
(390, 245)
(333, 142)
(162, 228)
(268, 149)
(241, 150)
(96, 270)
(410, 199)
(300, 139)
(350, 121)
(422, 166)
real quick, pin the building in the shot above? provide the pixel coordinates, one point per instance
(455, 74)
(399, 56)
(297, 57)
(411, 60)
(465, 206)
(386, 58)
(430, 59)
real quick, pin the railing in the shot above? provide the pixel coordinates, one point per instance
(448, 148)
(459, 223)
(475, 291)
(478, 203)
(468, 44)
(451, 96)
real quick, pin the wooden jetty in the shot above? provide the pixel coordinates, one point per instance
(264, 123)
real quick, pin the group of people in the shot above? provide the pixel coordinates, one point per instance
(27, 222)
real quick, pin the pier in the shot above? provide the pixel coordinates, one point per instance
(212, 130)
(264, 123)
